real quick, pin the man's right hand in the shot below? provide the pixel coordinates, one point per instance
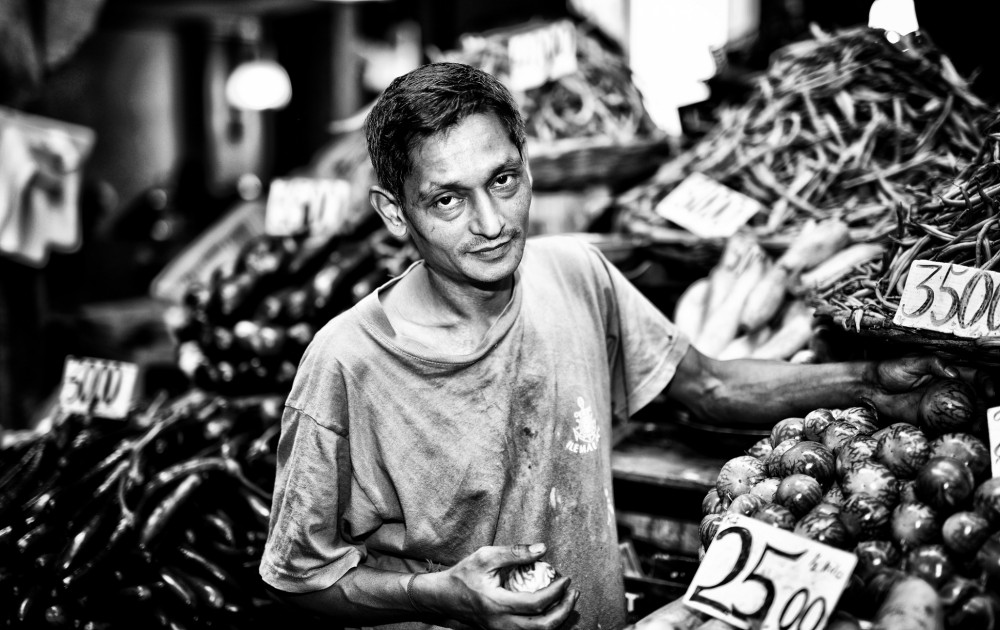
(471, 592)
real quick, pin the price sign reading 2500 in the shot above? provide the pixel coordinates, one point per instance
(950, 298)
(753, 571)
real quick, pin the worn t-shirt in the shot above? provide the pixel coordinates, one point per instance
(407, 459)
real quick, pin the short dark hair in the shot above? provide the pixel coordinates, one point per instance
(426, 101)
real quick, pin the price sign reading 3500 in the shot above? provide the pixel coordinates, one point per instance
(96, 386)
(950, 298)
(753, 571)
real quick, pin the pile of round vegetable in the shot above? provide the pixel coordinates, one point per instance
(908, 500)
(843, 125)
(155, 522)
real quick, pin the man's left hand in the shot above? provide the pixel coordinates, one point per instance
(897, 385)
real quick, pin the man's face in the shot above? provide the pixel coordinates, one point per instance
(467, 202)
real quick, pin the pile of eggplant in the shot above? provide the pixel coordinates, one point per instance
(244, 331)
(157, 521)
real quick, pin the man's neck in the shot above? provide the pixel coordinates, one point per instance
(441, 314)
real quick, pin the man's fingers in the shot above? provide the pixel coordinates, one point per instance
(510, 555)
(554, 617)
(940, 368)
(533, 603)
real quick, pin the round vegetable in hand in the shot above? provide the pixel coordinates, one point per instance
(528, 578)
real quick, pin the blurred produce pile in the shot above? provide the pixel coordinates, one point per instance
(157, 521)
(753, 305)
(960, 225)
(599, 100)
(246, 329)
(907, 500)
(842, 125)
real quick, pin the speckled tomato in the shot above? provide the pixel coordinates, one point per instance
(857, 450)
(864, 418)
(799, 493)
(930, 562)
(978, 612)
(773, 462)
(824, 528)
(825, 508)
(945, 484)
(787, 429)
(712, 503)
(746, 504)
(837, 433)
(946, 406)
(874, 555)
(965, 532)
(871, 478)
(834, 495)
(708, 528)
(904, 449)
(956, 590)
(809, 458)
(776, 515)
(865, 517)
(738, 475)
(986, 500)
(761, 448)
(914, 524)
(814, 423)
(988, 556)
(766, 489)
(967, 449)
(908, 491)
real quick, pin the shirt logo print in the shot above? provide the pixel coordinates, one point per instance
(586, 433)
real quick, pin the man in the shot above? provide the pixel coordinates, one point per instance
(457, 421)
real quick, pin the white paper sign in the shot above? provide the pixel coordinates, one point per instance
(993, 426)
(318, 206)
(99, 387)
(707, 208)
(754, 571)
(542, 54)
(950, 298)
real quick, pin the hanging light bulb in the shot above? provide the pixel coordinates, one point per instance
(258, 85)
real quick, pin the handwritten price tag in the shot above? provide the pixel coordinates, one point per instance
(542, 54)
(319, 206)
(993, 426)
(950, 298)
(755, 571)
(103, 388)
(707, 208)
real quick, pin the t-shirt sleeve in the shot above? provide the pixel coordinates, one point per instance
(305, 550)
(644, 346)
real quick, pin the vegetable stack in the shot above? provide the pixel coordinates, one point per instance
(154, 522)
(960, 225)
(843, 125)
(245, 331)
(908, 500)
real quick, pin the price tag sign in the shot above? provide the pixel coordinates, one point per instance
(753, 571)
(542, 54)
(951, 299)
(103, 388)
(707, 208)
(993, 426)
(318, 206)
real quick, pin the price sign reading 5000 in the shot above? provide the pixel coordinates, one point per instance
(103, 388)
(950, 298)
(754, 571)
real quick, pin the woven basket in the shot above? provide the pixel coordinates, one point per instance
(574, 162)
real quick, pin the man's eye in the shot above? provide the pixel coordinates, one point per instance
(446, 202)
(504, 180)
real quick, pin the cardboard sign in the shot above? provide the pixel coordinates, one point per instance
(754, 571)
(316, 206)
(542, 54)
(706, 208)
(993, 426)
(98, 387)
(950, 298)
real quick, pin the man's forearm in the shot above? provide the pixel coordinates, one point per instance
(760, 392)
(363, 596)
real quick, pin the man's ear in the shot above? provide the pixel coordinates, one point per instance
(388, 209)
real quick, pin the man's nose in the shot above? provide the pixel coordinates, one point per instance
(488, 222)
